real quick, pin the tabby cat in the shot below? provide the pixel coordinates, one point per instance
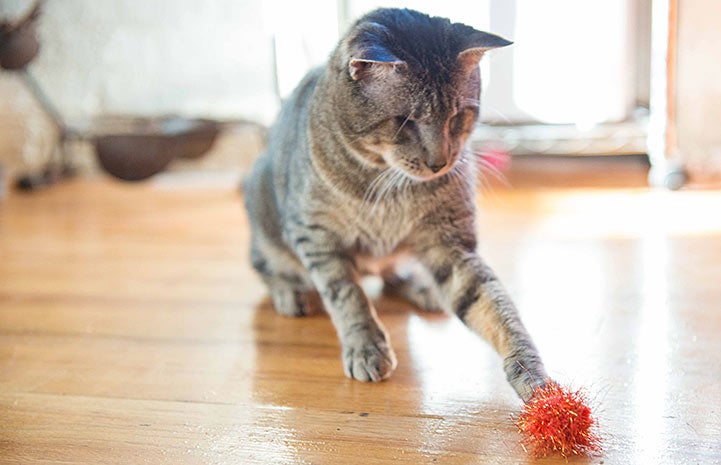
(366, 172)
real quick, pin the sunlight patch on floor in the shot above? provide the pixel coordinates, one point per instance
(592, 214)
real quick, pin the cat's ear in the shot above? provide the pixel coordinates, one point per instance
(476, 44)
(361, 68)
(368, 55)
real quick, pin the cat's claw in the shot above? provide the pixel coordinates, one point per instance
(368, 360)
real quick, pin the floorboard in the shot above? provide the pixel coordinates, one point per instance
(133, 330)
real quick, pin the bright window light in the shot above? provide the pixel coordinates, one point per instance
(571, 60)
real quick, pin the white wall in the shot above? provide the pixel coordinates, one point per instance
(214, 57)
(698, 102)
(150, 57)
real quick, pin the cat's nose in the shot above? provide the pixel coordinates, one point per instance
(437, 167)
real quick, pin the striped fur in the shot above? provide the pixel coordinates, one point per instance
(365, 170)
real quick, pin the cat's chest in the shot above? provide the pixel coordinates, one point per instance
(376, 265)
(383, 232)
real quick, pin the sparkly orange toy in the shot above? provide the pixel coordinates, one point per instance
(558, 420)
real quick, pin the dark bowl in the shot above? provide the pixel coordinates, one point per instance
(144, 147)
(195, 136)
(18, 47)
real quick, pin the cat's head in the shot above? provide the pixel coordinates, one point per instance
(410, 89)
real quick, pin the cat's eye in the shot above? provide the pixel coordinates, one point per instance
(405, 126)
(405, 122)
(462, 121)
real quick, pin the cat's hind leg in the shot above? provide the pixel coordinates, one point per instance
(292, 302)
(289, 285)
(408, 280)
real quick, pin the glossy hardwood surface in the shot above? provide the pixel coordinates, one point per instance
(132, 330)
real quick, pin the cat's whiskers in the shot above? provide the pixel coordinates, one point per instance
(485, 185)
(382, 186)
(477, 103)
(454, 176)
(490, 168)
(499, 113)
(406, 183)
(457, 172)
(377, 189)
(371, 190)
(466, 101)
(482, 168)
(390, 183)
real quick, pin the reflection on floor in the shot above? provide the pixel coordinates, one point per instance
(132, 330)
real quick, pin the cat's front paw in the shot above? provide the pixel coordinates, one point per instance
(525, 374)
(368, 357)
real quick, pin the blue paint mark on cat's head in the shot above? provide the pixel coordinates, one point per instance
(422, 41)
(407, 87)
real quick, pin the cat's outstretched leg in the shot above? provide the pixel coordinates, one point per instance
(471, 290)
(366, 349)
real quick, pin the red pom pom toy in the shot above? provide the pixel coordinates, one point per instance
(557, 419)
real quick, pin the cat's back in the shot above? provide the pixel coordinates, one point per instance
(289, 133)
(268, 186)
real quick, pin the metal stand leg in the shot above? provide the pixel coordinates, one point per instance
(670, 175)
(58, 166)
(667, 170)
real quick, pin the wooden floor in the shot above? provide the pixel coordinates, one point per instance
(133, 331)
